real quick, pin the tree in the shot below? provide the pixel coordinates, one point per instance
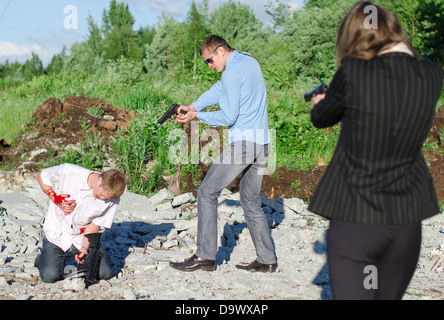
(319, 3)
(33, 67)
(188, 40)
(57, 62)
(159, 52)
(80, 60)
(312, 34)
(430, 29)
(11, 74)
(119, 37)
(233, 21)
(279, 12)
(147, 34)
(94, 40)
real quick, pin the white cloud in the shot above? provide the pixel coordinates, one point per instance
(9, 48)
(21, 52)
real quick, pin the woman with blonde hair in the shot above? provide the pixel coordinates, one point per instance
(377, 188)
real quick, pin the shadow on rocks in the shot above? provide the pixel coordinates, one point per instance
(122, 237)
(322, 279)
(229, 240)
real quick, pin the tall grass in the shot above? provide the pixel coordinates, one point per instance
(15, 111)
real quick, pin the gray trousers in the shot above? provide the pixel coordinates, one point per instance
(244, 157)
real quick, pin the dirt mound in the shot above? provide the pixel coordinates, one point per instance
(56, 125)
(434, 158)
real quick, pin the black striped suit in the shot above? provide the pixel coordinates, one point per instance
(377, 174)
(377, 188)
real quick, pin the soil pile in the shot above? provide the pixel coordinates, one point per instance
(56, 125)
(434, 159)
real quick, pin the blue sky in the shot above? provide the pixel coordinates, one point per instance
(44, 26)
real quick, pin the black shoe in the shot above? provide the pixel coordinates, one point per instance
(257, 266)
(194, 263)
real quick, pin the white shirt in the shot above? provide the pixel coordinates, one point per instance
(65, 230)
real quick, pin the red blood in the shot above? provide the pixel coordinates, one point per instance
(58, 199)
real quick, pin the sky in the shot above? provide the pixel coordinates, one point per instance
(44, 26)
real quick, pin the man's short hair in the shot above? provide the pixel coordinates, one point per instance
(213, 41)
(114, 182)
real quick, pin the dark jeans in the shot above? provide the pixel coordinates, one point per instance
(369, 262)
(52, 262)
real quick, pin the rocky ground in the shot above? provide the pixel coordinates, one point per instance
(149, 232)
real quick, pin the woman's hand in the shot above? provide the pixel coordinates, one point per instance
(318, 98)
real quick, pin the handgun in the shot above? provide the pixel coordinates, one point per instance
(322, 88)
(172, 110)
(92, 259)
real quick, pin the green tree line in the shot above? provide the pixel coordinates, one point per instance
(297, 45)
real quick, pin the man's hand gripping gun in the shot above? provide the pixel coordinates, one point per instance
(90, 262)
(92, 259)
(171, 111)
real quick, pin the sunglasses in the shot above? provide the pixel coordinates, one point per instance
(210, 60)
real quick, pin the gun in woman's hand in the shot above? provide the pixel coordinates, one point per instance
(322, 88)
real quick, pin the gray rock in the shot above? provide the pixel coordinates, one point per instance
(134, 207)
(164, 206)
(21, 206)
(171, 214)
(163, 196)
(296, 205)
(183, 199)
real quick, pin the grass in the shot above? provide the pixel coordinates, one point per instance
(15, 112)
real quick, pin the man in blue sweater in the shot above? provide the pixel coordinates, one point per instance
(242, 98)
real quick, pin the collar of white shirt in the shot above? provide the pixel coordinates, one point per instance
(399, 47)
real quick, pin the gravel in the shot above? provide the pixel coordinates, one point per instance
(147, 233)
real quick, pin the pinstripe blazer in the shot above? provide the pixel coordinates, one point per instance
(378, 174)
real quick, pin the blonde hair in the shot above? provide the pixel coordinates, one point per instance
(114, 182)
(357, 40)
